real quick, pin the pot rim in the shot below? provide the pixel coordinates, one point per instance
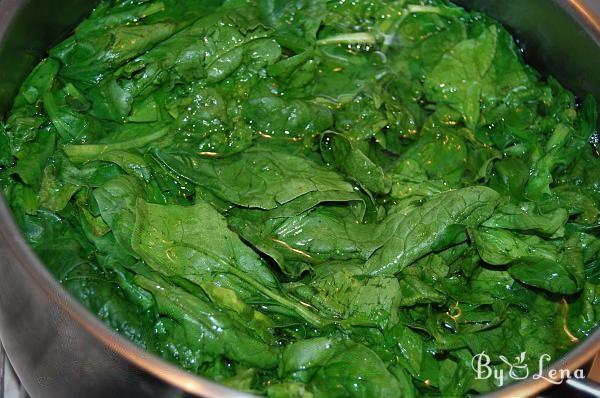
(583, 13)
(579, 10)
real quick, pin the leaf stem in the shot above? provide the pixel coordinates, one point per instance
(301, 310)
(348, 38)
(416, 9)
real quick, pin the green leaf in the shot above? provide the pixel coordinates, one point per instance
(169, 240)
(539, 263)
(273, 115)
(338, 368)
(325, 233)
(423, 227)
(440, 152)
(61, 180)
(358, 300)
(83, 153)
(38, 83)
(339, 152)
(116, 200)
(255, 178)
(208, 327)
(32, 159)
(526, 218)
(458, 79)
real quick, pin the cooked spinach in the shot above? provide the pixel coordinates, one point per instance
(311, 198)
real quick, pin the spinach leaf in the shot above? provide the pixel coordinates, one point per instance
(433, 226)
(358, 300)
(461, 88)
(526, 218)
(255, 178)
(339, 151)
(312, 237)
(532, 260)
(170, 240)
(208, 328)
(338, 368)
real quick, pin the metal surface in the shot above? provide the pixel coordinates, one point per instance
(2, 370)
(585, 387)
(10, 386)
(58, 349)
(594, 372)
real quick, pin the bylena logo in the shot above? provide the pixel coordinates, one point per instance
(518, 369)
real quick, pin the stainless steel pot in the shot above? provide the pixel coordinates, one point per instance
(58, 349)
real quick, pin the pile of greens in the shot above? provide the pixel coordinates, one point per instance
(311, 198)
